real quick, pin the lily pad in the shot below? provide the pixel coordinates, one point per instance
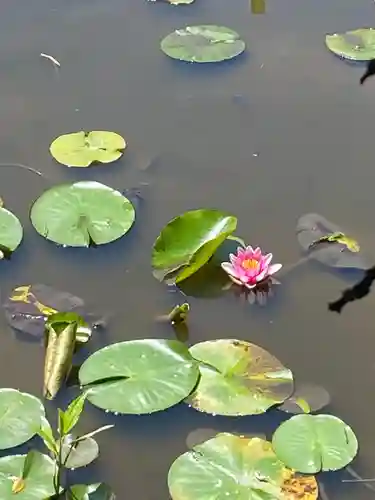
(11, 232)
(229, 466)
(203, 44)
(238, 378)
(98, 491)
(82, 214)
(314, 443)
(188, 241)
(80, 454)
(38, 483)
(81, 149)
(309, 397)
(312, 228)
(199, 436)
(356, 45)
(20, 415)
(139, 376)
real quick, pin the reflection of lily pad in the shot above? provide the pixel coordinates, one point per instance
(356, 45)
(20, 415)
(80, 454)
(202, 44)
(81, 149)
(306, 397)
(314, 443)
(11, 232)
(229, 466)
(188, 241)
(311, 228)
(238, 378)
(139, 376)
(82, 214)
(39, 481)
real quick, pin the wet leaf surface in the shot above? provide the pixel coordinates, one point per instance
(11, 232)
(98, 491)
(356, 45)
(199, 436)
(238, 378)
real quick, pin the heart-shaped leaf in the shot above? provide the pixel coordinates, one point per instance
(82, 214)
(314, 443)
(356, 45)
(81, 149)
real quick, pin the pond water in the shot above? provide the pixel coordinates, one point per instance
(283, 130)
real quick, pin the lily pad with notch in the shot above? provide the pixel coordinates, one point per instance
(230, 466)
(327, 243)
(11, 233)
(203, 44)
(238, 378)
(355, 45)
(139, 376)
(81, 149)
(82, 214)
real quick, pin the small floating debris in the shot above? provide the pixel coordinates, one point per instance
(51, 58)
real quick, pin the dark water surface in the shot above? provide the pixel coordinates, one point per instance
(285, 129)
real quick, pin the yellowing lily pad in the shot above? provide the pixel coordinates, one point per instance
(238, 378)
(356, 45)
(81, 149)
(236, 468)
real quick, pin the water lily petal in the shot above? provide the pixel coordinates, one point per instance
(257, 253)
(229, 269)
(235, 280)
(233, 258)
(266, 260)
(240, 251)
(261, 275)
(274, 268)
(250, 286)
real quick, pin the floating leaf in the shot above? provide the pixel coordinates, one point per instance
(199, 436)
(356, 45)
(230, 466)
(314, 443)
(312, 230)
(11, 233)
(314, 396)
(20, 415)
(203, 44)
(238, 378)
(98, 491)
(36, 486)
(188, 241)
(82, 214)
(139, 376)
(78, 454)
(29, 306)
(81, 149)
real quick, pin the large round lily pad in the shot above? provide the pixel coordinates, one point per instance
(37, 485)
(238, 378)
(139, 376)
(20, 415)
(82, 214)
(11, 232)
(203, 44)
(188, 241)
(238, 468)
(81, 149)
(314, 443)
(356, 45)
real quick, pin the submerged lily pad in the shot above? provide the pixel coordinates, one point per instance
(188, 241)
(82, 214)
(203, 44)
(11, 233)
(314, 443)
(238, 378)
(306, 398)
(356, 45)
(81, 149)
(139, 376)
(312, 229)
(20, 415)
(230, 466)
(98, 491)
(39, 481)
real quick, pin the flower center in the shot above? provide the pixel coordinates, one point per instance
(250, 264)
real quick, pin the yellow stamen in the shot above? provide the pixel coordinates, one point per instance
(250, 264)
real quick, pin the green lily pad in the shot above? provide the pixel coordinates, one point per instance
(238, 468)
(188, 241)
(314, 443)
(11, 232)
(80, 454)
(139, 376)
(238, 378)
(356, 45)
(82, 214)
(98, 491)
(20, 415)
(203, 44)
(36, 485)
(81, 149)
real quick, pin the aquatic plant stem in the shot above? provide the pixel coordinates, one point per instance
(291, 267)
(358, 479)
(23, 167)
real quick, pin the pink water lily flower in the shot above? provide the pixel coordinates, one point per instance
(250, 267)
